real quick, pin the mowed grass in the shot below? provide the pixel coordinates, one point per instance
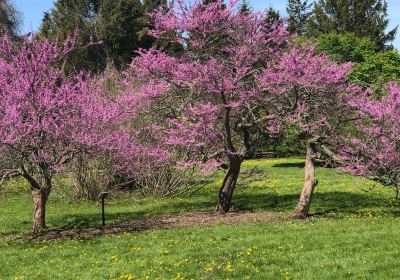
(354, 236)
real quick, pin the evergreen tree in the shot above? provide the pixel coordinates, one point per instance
(147, 41)
(151, 5)
(63, 19)
(272, 20)
(119, 26)
(298, 12)
(365, 18)
(273, 17)
(205, 2)
(9, 18)
(245, 7)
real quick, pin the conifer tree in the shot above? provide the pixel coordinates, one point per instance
(273, 16)
(63, 19)
(365, 18)
(151, 5)
(298, 12)
(9, 18)
(119, 24)
(245, 7)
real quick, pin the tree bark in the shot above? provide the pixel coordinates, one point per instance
(40, 192)
(228, 185)
(39, 197)
(310, 182)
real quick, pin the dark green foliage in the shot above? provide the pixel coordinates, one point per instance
(119, 24)
(151, 5)
(148, 41)
(245, 7)
(205, 2)
(9, 18)
(298, 12)
(365, 18)
(273, 17)
(67, 16)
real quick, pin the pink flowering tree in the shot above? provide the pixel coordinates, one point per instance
(46, 118)
(217, 104)
(308, 90)
(373, 151)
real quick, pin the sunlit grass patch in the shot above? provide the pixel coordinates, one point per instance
(351, 237)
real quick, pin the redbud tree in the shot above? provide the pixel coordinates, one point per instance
(218, 102)
(309, 92)
(47, 118)
(373, 150)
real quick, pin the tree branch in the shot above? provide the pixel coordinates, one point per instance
(9, 174)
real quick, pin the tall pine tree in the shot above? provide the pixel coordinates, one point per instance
(365, 18)
(273, 16)
(63, 19)
(298, 13)
(119, 25)
(9, 18)
(245, 7)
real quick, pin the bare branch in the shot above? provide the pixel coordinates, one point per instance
(9, 174)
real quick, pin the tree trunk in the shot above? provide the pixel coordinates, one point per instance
(310, 183)
(228, 186)
(39, 210)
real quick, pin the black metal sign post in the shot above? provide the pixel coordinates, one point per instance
(103, 197)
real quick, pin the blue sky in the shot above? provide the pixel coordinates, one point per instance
(32, 11)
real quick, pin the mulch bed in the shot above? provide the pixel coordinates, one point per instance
(162, 222)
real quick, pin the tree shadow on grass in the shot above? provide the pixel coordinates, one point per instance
(297, 164)
(342, 203)
(328, 202)
(289, 165)
(85, 220)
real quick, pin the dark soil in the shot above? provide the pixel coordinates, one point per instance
(162, 222)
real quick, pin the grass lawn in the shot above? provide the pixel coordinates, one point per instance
(354, 236)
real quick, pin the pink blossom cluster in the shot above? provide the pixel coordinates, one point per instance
(307, 87)
(213, 80)
(373, 151)
(46, 118)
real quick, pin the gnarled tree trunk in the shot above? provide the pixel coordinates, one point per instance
(40, 193)
(39, 197)
(310, 183)
(228, 185)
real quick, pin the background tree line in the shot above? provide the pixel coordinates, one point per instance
(355, 31)
(349, 31)
(111, 33)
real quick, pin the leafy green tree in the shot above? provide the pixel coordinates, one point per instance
(377, 69)
(371, 68)
(346, 47)
(365, 18)
(9, 18)
(298, 12)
